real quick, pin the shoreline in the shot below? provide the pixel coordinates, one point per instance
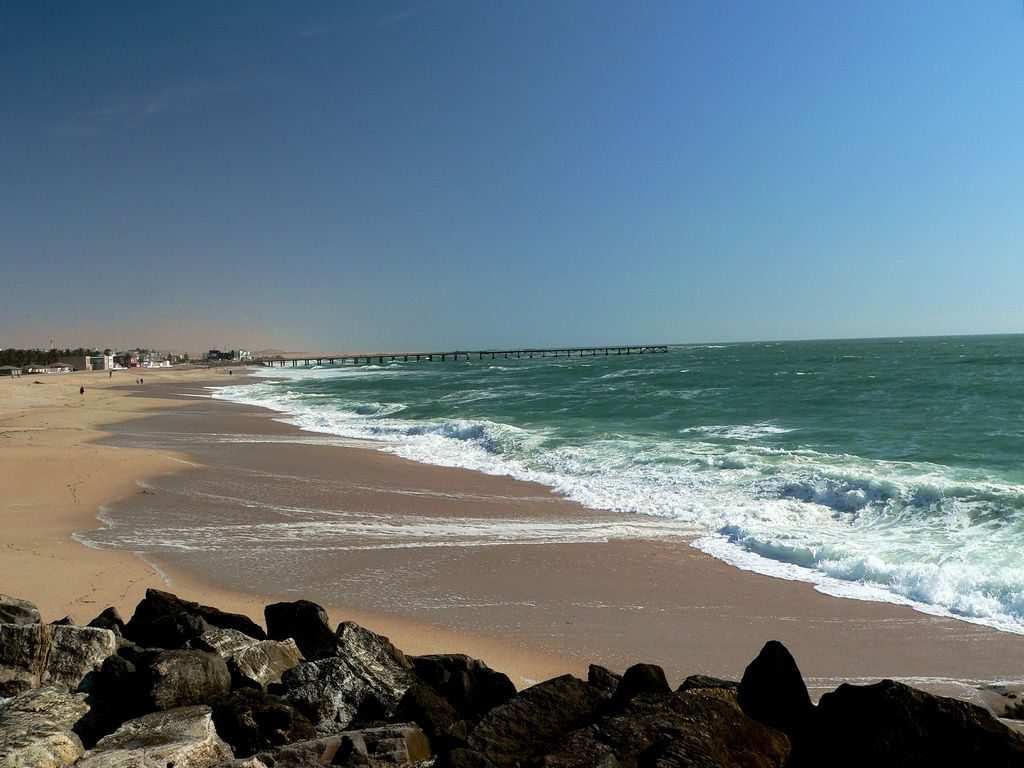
(704, 616)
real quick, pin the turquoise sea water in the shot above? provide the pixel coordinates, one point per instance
(880, 469)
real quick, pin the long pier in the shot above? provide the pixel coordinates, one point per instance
(380, 358)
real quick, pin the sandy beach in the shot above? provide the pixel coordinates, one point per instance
(531, 609)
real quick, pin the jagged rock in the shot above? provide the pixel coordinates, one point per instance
(32, 655)
(535, 720)
(603, 679)
(13, 610)
(393, 745)
(468, 684)
(398, 745)
(250, 721)
(65, 622)
(641, 679)
(890, 723)
(109, 619)
(252, 663)
(366, 680)
(422, 705)
(773, 691)
(701, 727)
(36, 728)
(703, 681)
(183, 678)
(182, 737)
(306, 623)
(163, 620)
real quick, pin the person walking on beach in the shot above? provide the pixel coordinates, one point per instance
(81, 390)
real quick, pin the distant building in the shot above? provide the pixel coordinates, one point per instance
(10, 370)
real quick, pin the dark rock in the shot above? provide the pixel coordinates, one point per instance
(16, 611)
(36, 728)
(700, 727)
(703, 681)
(32, 655)
(163, 620)
(306, 623)
(395, 745)
(603, 679)
(364, 682)
(463, 758)
(250, 721)
(109, 619)
(641, 679)
(535, 720)
(182, 737)
(892, 724)
(773, 691)
(184, 678)
(468, 684)
(422, 705)
(115, 695)
(252, 663)
(65, 622)
(398, 745)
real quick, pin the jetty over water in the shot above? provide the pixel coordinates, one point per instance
(379, 358)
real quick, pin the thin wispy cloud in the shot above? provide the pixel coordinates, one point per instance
(406, 14)
(179, 99)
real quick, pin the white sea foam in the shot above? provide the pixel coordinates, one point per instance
(903, 532)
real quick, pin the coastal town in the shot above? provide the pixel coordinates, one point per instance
(18, 362)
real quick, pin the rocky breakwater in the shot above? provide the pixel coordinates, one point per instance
(182, 685)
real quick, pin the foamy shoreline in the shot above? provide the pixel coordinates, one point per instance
(696, 614)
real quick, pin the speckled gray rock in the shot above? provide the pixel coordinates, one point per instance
(14, 610)
(252, 663)
(32, 655)
(182, 737)
(35, 728)
(367, 677)
(182, 678)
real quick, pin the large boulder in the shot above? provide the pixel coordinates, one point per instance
(183, 678)
(110, 619)
(250, 721)
(163, 620)
(252, 663)
(32, 655)
(772, 690)
(306, 623)
(365, 681)
(36, 728)
(183, 738)
(422, 705)
(700, 727)
(13, 610)
(115, 694)
(468, 684)
(535, 720)
(641, 679)
(889, 723)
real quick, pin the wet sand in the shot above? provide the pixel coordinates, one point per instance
(513, 598)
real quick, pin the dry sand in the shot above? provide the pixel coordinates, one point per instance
(533, 610)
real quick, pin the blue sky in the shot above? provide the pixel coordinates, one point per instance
(466, 173)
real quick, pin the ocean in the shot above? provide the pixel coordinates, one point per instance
(887, 470)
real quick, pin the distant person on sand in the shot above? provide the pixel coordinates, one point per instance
(81, 390)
